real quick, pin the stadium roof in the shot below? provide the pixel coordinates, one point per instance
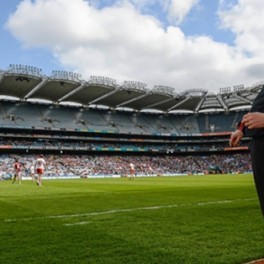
(27, 83)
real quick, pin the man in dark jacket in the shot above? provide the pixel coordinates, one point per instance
(252, 125)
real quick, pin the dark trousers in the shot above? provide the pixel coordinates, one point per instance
(257, 156)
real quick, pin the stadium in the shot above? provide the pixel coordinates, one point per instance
(63, 114)
(89, 131)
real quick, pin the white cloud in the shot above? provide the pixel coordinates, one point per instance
(175, 10)
(178, 9)
(245, 19)
(120, 42)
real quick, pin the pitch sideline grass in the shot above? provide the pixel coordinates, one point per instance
(192, 219)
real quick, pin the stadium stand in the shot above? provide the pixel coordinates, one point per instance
(100, 120)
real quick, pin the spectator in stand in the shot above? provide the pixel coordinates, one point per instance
(73, 165)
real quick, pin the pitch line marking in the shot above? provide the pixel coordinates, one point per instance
(77, 223)
(126, 210)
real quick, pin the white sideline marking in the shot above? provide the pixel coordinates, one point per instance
(126, 210)
(77, 223)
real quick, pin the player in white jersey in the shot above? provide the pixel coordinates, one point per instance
(132, 171)
(40, 165)
(32, 172)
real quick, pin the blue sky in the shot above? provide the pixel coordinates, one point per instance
(184, 44)
(11, 49)
(203, 20)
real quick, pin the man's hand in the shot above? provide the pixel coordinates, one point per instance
(253, 120)
(235, 138)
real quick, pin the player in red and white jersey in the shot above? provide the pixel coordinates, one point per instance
(40, 165)
(17, 167)
(132, 171)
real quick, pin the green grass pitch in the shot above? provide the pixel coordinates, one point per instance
(161, 220)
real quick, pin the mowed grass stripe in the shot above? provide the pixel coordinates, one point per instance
(157, 207)
(210, 219)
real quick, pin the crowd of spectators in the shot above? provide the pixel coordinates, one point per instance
(37, 143)
(107, 165)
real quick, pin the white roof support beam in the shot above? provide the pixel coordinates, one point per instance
(159, 103)
(221, 101)
(103, 97)
(72, 92)
(178, 104)
(199, 105)
(44, 81)
(132, 100)
(243, 99)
